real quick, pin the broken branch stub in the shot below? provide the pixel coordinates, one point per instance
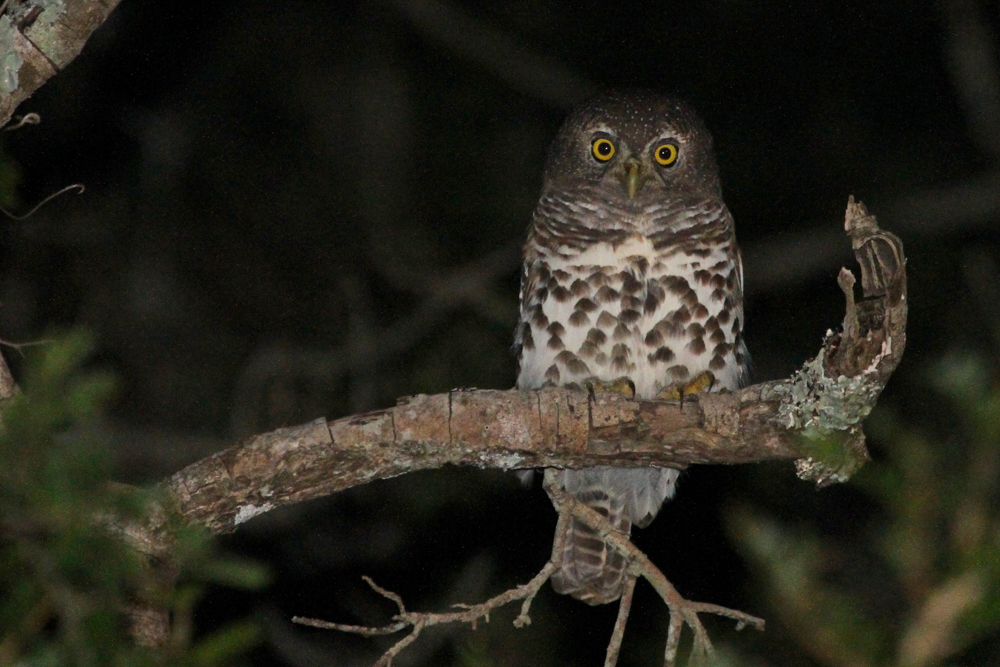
(831, 395)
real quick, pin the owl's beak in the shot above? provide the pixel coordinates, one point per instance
(633, 176)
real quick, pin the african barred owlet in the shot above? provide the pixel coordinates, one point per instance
(631, 270)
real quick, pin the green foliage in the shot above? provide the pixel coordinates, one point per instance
(922, 585)
(66, 575)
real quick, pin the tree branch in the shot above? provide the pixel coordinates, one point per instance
(499, 53)
(813, 417)
(39, 39)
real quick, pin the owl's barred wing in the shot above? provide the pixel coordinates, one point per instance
(746, 365)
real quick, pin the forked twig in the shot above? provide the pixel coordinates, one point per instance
(470, 614)
(682, 611)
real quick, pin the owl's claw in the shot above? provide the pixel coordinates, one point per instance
(702, 382)
(622, 385)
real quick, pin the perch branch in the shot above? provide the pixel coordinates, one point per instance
(814, 417)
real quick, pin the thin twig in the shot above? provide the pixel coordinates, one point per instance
(386, 594)
(624, 606)
(18, 346)
(76, 186)
(673, 639)
(362, 630)
(555, 562)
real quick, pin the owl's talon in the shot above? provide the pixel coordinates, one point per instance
(622, 385)
(700, 383)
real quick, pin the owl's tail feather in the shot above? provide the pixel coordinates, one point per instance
(591, 570)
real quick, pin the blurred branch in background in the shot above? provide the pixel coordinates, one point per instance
(471, 286)
(498, 52)
(797, 257)
(974, 63)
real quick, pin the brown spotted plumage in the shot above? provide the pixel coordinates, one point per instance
(631, 270)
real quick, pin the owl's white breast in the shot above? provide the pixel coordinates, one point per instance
(657, 317)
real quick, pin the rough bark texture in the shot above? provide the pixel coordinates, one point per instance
(813, 417)
(38, 38)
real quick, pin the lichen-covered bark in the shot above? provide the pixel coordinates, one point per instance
(39, 38)
(830, 395)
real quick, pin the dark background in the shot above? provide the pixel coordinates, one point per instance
(303, 209)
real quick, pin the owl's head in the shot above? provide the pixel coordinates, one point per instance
(636, 146)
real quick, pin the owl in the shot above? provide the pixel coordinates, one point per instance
(631, 276)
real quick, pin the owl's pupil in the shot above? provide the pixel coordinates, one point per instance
(664, 154)
(604, 148)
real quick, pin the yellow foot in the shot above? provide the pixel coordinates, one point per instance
(622, 385)
(677, 391)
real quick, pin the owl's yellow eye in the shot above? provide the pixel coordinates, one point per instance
(603, 149)
(666, 154)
